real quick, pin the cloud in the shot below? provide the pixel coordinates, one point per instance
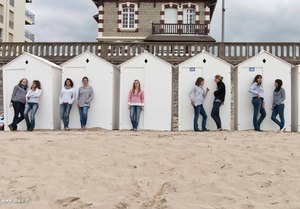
(255, 20)
(64, 20)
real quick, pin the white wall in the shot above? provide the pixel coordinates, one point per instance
(104, 79)
(156, 81)
(296, 99)
(34, 70)
(189, 71)
(273, 69)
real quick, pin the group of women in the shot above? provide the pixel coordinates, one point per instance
(198, 94)
(26, 103)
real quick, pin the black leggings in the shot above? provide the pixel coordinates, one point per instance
(19, 113)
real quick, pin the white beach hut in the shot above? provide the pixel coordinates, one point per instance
(296, 99)
(34, 68)
(271, 68)
(104, 79)
(155, 76)
(207, 66)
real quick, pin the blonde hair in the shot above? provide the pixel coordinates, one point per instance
(219, 77)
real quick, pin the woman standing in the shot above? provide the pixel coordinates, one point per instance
(219, 100)
(278, 105)
(66, 99)
(32, 99)
(135, 104)
(197, 95)
(258, 102)
(18, 101)
(85, 96)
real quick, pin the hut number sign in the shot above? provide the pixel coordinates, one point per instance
(251, 69)
(192, 69)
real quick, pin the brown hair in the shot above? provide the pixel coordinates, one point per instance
(219, 77)
(23, 80)
(37, 84)
(133, 86)
(199, 81)
(256, 78)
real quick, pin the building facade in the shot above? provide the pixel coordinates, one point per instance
(13, 18)
(154, 20)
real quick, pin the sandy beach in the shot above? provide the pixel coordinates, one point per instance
(159, 170)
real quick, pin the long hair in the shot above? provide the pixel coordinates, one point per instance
(20, 82)
(199, 81)
(37, 84)
(279, 83)
(256, 78)
(71, 82)
(133, 86)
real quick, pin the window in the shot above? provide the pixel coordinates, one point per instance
(1, 35)
(189, 16)
(10, 37)
(11, 20)
(1, 13)
(128, 18)
(12, 3)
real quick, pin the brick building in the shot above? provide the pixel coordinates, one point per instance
(154, 20)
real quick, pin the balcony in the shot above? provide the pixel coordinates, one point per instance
(29, 17)
(29, 35)
(179, 29)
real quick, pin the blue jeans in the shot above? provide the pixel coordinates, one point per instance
(135, 112)
(83, 113)
(258, 108)
(278, 110)
(65, 113)
(199, 109)
(30, 122)
(215, 114)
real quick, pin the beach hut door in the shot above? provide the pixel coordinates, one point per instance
(245, 79)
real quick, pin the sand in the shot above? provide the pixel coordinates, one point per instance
(121, 170)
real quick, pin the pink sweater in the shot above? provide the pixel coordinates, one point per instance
(136, 99)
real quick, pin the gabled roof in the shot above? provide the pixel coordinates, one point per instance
(205, 53)
(268, 53)
(147, 53)
(90, 54)
(35, 57)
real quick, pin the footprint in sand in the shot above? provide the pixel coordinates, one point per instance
(158, 200)
(72, 202)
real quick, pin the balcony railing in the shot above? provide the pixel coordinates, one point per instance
(180, 29)
(29, 35)
(175, 52)
(30, 15)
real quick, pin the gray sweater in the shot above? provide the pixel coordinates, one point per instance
(85, 96)
(278, 97)
(19, 94)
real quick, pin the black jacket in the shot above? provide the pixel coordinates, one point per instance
(221, 91)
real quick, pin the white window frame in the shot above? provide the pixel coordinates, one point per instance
(128, 17)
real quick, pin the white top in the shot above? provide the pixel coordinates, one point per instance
(33, 96)
(197, 95)
(256, 89)
(67, 96)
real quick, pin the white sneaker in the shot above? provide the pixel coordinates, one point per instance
(283, 129)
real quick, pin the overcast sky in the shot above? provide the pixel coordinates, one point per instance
(254, 20)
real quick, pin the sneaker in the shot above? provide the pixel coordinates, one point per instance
(135, 129)
(197, 130)
(67, 129)
(11, 127)
(205, 130)
(132, 129)
(283, 129)
(219, 129)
